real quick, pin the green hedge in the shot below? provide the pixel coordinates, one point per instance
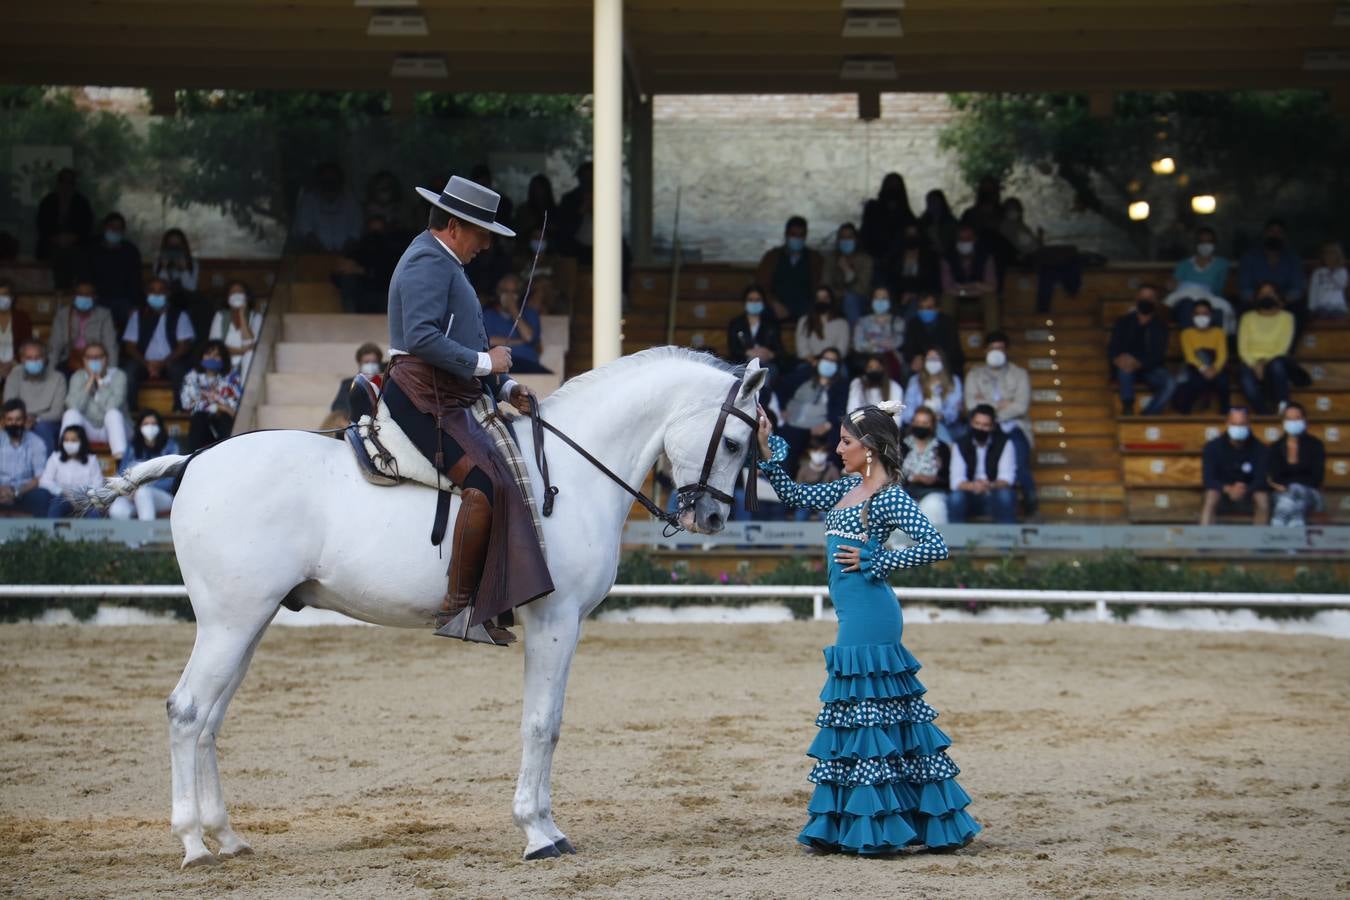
(41, 559)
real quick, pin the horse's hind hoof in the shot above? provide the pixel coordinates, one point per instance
(202, 859)
(245, 850)
(549, 851)
(563, 845)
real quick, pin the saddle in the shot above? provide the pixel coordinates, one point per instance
(384, 454)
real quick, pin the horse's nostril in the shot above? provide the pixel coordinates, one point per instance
(715, 522)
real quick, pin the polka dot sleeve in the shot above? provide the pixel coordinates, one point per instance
(891, 509)
(807, 496)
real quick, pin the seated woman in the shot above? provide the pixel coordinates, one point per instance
(15, 329)
(1265, 342)
(70, 471)
(239, 326)
(940, 390)
(1205, 349)
(816, 468)
(150, 440)
(875, 385)
(210, 396)
(825, 326)
(816, 406)
(925, 465)
(880, 333)
(1327, 286)
(499, 320)
(1295, 468)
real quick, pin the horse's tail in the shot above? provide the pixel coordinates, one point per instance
(100, 498)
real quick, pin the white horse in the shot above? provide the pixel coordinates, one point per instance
(268, 516)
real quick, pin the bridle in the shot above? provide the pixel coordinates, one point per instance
(689, 494)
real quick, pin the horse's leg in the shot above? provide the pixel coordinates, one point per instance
(550, 643)
(215, 818)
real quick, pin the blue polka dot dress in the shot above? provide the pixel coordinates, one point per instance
(883, 778)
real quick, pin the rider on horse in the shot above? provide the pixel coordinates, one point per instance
(443, 384)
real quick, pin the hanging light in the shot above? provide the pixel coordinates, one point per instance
(1138, 210)
(1204, 204)
(1165, 166)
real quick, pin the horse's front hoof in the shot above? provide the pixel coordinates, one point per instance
(563, 845)
(548, 851)
(201, 859)
(241, 850)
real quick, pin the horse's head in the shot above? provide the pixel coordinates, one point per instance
(707, 447)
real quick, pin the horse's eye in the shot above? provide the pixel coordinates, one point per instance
(732, 446)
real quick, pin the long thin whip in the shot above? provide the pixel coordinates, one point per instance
(543, 230)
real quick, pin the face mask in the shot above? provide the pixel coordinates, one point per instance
(1200, 321)
(996, 359)
(847, 246)
(84, 302)
(965, 248)
(875, 377)
(823, 307)
(980, 436)
(370, 369)
(1267, 303)
(1274, 244)
(796, 244)
(1295, 427)
(1205, 249)
(881, 306)
(71, 447)
(928, 316)
(112, 237)
(754, 307)
(213, 365)
(827, 368)
(932, 366)
(6, 301)
(34, 367)
(922, 432)
(156, 301)
(537, 246)
(818, 458)
(150, 432)
(14, 431)
(1238, 432)
(238, 301)
(1145, 307)
(95, 366)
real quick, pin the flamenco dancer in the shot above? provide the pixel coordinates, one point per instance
(883, 779)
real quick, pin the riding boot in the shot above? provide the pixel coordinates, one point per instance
(473, 528)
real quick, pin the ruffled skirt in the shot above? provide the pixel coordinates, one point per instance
(883, 778)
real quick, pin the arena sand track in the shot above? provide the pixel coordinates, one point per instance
(1103, 762)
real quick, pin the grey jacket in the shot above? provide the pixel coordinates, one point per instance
(434, 313)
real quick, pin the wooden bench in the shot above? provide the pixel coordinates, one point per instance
(1168, 434)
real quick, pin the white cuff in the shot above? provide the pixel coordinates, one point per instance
(505, 392)
(484, 365)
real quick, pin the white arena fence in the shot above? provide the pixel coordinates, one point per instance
(1101, 600)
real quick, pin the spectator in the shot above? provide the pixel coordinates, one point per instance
(1205, 349)
(486, 269)
(1201, 275)
(43, 392)
(932, 329)
(555, 277)
(1326, 289)
(210, 396)
(115, 269)
(823, 327)
(885, 216)
(78, 324)
(1265, 338)
(983, 472)
(815, 468)
(22, 458)
(239, 326)
(912, 268)
(880, 334)
(71, 470)
(370, 363)
(1295, 468)
(1006, 388)
(506, 208)
(96, 401)
(576, 224)
(175, 265)
(385, 199)
(499, 320)
(327, 214)
(986, 213)
(150, 441)
(15, 329)
(848, 272)
(790, 273)
(874, 385)
(1272, 262)
(1138, 352)
(754, 333)
(157, 341)
(1234, 467)
(969, 272)
(816, 407)
(937, 387)
(65, 223)
(926, 465)
(1054, 265)
(938, 224)
(538, 204)
(362, 275)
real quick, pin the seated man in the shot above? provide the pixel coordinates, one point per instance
(930, 329)
(77, 324)
(370, 363)
(1235, 473)
(1006, 387)
(1205, 349)
(983, 470)
(96, 400)
(41, 388)
(791, 273)
(156, 342)
(1138, 352)
(968, 272)
(22, 459)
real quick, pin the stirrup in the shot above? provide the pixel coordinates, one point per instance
(459, 627)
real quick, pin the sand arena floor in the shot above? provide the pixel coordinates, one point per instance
(1103, 762)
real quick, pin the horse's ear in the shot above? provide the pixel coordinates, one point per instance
(755, 376)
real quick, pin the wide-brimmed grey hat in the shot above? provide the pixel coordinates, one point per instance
(471, 202)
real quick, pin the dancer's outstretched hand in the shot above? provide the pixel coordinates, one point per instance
(765, 429)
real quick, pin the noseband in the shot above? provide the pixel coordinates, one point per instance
(690, 493)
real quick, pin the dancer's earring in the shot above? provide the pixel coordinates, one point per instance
(868, 473)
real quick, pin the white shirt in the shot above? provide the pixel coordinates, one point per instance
(159, 347)
(860, 393)
(71, 475)
(1007, 465)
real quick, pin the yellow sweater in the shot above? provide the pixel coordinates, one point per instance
(1265, 337)
(1211, 338)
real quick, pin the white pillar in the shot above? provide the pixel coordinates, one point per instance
(608, 183)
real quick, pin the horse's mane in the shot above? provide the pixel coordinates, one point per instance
(642, 358)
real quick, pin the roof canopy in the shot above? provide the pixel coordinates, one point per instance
(679, 46)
